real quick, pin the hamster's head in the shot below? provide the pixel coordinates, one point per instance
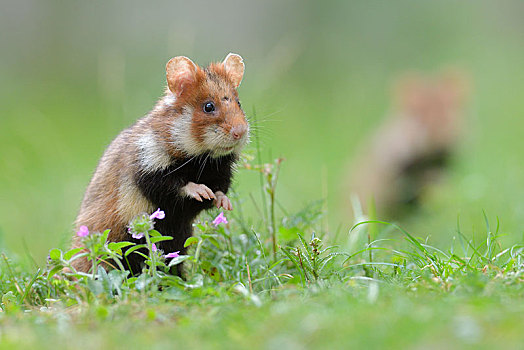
(433, 100)
(207, 116)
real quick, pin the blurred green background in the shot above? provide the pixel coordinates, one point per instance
(318, 73)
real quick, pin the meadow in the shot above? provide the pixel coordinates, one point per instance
(318, 82)
(238, 291)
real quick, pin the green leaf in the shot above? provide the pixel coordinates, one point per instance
(131, 280)
(95, 286)
(211, 238)
(190, 241)
(142, 282)
(278, 262)
(72, 252)
(210, 270)
(178, 260)
(117, 246)
(105, 234)
(214, 242)
(160, 239)
(116, 277)
(55, 254)
(53, 272)
(132, 249)
(201, 227)
(154, 233)
(142, 255)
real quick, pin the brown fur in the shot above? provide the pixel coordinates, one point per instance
(112, 198)
(426, 124)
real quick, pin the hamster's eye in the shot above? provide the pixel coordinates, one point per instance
(239, 105)
(209, 107)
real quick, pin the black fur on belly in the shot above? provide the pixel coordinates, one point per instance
(163, 189)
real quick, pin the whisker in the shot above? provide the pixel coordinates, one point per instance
(261, 117)
(202, 167)
(172, 171)
(260, 121)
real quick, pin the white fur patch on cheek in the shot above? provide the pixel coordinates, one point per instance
(221, 143)
(216, 141)
(213, 135)
(181, 134)
(151, 153)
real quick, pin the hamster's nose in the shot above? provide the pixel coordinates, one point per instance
(238, 131)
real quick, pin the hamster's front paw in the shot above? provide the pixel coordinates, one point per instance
(222, 201)
(198, 191)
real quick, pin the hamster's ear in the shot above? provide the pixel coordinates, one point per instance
(181, 73)
(234, 65)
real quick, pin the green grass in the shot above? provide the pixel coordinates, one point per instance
(336, 318)
(391, 290)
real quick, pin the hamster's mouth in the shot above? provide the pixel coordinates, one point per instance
(220, 147)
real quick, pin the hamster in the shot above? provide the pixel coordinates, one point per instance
(410, 150)
(180, 158)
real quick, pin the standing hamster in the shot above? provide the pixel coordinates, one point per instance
(411, 151)
(179, 158)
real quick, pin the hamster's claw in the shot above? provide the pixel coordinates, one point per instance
(198, 191)
(222, 201)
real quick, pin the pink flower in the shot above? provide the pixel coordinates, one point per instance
(172, 255)
(83, 231)
(153, 247)
(137, 235)
(220, 219)
(158, 214)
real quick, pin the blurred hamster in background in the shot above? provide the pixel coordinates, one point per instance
(410, 151)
